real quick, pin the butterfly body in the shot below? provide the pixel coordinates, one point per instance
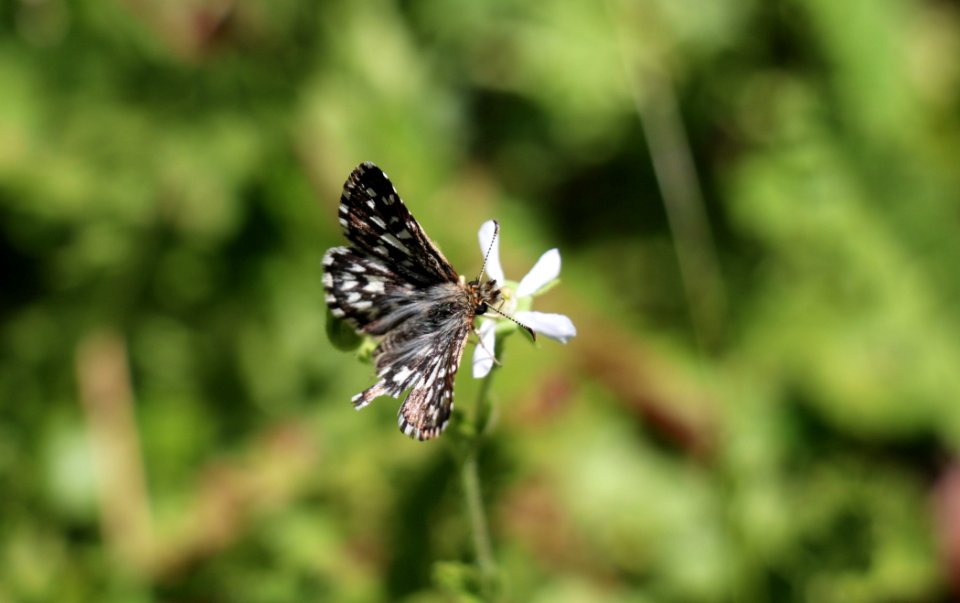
(395, 284)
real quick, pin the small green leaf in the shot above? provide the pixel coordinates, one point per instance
(459, 580)
(365, 353)
(341, 334)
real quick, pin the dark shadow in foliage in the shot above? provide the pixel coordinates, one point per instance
(241, 297)
(504, 119)
(843, 542)
(617, 196)
(252, 567)
(258, 237)
(234, 70)
(415, 520)
(812, 437)
(22, 272)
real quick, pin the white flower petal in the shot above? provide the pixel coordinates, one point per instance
(482, 354)
(544, 271)
(554, 326)
(494, 269)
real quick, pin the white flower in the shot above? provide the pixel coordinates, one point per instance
(517, 301)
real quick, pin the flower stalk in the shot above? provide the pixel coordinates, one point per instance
(517, 301)
(473, 497)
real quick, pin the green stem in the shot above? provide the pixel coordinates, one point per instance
(484, 406)
(470, 477)
(478, 521)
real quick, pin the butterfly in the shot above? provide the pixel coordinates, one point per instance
(392, 282)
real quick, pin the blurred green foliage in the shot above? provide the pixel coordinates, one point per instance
(175, 424)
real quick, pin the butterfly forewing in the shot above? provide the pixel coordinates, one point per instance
(375, 219)
(395, 283)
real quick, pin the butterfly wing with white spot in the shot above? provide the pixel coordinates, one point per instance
(366, 292)
(422, 355)
(393, 282)
(427, 409)
(375, 219)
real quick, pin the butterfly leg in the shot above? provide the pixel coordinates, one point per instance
(476, 332)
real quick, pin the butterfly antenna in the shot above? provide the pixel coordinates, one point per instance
(533, 334)
(483, 267)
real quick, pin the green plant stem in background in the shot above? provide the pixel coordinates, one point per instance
(478, 520)
(470, 477)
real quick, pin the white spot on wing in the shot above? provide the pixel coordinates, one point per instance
(375, 286)
(430, 381)
(402, 374)
(376, 220)
(392, 240)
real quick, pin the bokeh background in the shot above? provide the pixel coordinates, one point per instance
(757, 204)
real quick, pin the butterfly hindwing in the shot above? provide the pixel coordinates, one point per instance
(422, 355)
(426, 410)
(364, 290)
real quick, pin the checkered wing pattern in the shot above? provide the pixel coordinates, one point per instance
(366, 291)
(422, 355)
(394, 283)
(375, 219)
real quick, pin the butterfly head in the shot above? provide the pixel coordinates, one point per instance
(487, 296)
(483, 295)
